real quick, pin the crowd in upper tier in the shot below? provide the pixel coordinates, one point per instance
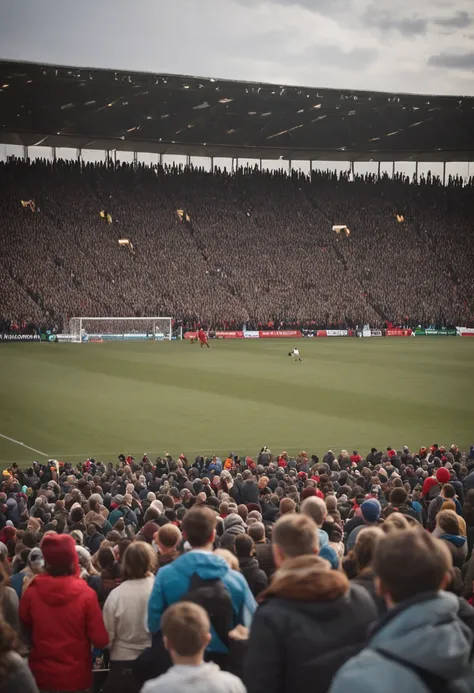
(258, 246)
(270, 574)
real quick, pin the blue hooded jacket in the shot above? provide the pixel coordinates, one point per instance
(172, 583)
(426, 633)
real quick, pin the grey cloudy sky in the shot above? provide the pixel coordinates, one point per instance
(397, 45)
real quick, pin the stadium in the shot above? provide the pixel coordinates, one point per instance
(231, 314)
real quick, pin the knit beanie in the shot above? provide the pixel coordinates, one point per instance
(149, 530)
(59, 551)
(443, 475)
(371, 510)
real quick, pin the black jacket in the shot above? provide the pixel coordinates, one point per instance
(265, 560)
(309, 625)
(256, 578)
(249, 492)
(366, 580)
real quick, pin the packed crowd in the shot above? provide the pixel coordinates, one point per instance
(258, 246)
(270, 575)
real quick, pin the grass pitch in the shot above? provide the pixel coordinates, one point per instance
(71, 401)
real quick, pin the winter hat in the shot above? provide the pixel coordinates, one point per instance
(371, 510)
(149, 530)
(233, 521)
(35, 555)
(307, 492)
(443, 475)
(59, 551)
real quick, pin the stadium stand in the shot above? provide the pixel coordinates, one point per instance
(258, 246)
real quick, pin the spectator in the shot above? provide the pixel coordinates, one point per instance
(174, 581)
(62, 617)
(186, 635)
(447, 525)
(167, 540)
(364, 551)
(263, 548)
(125, 617)
(370, 513)
(9, 602)
(248, 564)
(316, 509)
(311, 620)
(423, 644)
(15, 675)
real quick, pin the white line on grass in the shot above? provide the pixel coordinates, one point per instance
(18, 442)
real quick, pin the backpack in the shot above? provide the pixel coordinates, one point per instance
(433, 682)
(214, 598)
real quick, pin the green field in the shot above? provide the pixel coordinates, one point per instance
(71, 401)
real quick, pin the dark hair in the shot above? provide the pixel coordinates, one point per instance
(198, 526)
(139, 559)
(244, 546)
(449, 491)
(398, 496)
(8, 643)
(409, 562)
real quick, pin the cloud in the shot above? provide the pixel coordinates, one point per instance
(460, 20)
(453, 61)
(386, 22)
(326, 7)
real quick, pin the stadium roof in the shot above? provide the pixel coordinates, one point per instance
(92, 108)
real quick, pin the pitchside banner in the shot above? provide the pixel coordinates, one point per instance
(334, 333)
(7, 337)
(465, 331)
(444, 332)
(264, 334)
(398, 333)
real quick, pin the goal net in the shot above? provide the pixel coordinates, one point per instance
(120, 329)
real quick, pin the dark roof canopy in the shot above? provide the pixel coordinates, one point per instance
(174, 114)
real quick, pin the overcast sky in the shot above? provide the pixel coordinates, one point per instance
(397, 45)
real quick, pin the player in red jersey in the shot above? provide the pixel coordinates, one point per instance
(202, 336)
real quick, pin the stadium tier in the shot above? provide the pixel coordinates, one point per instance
(227, 249)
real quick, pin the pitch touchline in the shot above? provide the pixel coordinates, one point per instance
(18, 442)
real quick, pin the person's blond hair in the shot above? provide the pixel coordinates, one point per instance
(296, 535)
(228, 557)
(394, 522)
(169, 535)
(186, 627)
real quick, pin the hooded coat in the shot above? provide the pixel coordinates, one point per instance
(63, 618)
(310, 623)
(425, 631)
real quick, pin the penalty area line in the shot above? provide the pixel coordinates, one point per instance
(23, 445)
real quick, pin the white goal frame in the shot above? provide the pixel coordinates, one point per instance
(157, 333)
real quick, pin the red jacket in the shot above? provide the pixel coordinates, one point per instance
(63, 617)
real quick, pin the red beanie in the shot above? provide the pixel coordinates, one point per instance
(443, 475)
(59, 551)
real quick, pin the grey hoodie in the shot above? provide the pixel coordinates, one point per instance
(206, 678)
(426, 632)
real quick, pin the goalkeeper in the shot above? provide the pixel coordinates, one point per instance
(296, 354)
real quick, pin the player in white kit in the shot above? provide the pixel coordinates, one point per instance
(296, 354)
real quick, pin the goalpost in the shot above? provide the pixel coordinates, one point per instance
(108, 329)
